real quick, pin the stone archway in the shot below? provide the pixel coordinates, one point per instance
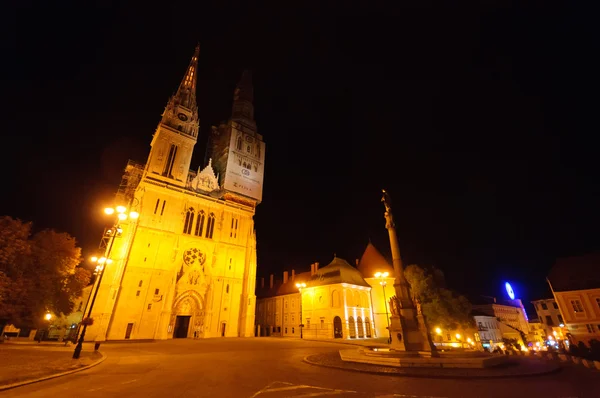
(187, 315)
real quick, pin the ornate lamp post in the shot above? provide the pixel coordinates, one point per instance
(300, 286)
(112, 233)
(381, 276)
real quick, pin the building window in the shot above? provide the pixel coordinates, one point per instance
(544, 306)
(140, 284)
(322, 323)
(199, 223)
(162, 210)
(590, 328)
(80, 304)
(156, 207)
(234, 228)
(156, 291)
(248, 149)
(189, 220)
(308, 323)
(227, 289)
(598, 301)
(149, 306)
(555, 305)
(258, 150)
(285, 330)
(549, 320)
(239, 143)
(210, 225)
(137, 294)
(577, 306)
(293, 330)
(560, 319)
(167, 172)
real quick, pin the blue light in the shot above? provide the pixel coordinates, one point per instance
(509, 290)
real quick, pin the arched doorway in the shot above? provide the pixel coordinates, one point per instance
(337, 328)
(352, 327)
(361, 331)
(187, 318)
(368, 327)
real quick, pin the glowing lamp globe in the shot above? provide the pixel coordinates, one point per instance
(509, 291)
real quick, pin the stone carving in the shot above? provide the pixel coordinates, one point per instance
(395, 306)
(418, 305)
(205, 180)
(193, 257)
(387, 202)
(194, 277)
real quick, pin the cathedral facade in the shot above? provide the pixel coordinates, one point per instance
(186, 266)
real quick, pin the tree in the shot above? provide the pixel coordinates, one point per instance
(37, 274)
(442, 307)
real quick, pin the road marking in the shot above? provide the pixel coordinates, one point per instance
(273, 389)
(333, 392)
(130, 381)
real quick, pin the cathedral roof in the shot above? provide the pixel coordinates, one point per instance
(372, 261)
(338, 271)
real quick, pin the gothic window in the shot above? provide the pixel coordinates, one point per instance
(168, 170)
(227, 289)
(335, 299)
(199, 223)
(234, 228)
(189, 220)
(239, 144)
(248, 149)
(140, 284)
(245, 166)
(156, 207)
(210, 225)
(162, 210)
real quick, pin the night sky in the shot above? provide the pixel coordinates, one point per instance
(480, 122)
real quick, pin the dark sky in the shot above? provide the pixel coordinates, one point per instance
(480, 121)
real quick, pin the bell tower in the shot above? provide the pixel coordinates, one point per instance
(177, 132)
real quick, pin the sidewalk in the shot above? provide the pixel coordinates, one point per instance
(23, 363)
(376, 342)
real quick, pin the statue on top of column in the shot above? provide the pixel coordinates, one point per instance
(387, 202)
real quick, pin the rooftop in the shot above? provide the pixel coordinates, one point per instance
(372, 261)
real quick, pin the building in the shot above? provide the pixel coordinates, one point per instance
(511, 317)
(575, 284)
(186, 266)
(548, 315)
(335, 303)
(537, 336)
(488, 330)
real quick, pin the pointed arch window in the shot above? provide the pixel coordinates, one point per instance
(168, 170)
(210, 225)
(199, 223)
(189, 220)
(239, 144)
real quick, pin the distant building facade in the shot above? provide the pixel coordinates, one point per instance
(575, 284)
(511, 317)
(488, 329)
(548, 315)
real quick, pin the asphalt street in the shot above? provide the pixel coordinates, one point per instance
(273, 368)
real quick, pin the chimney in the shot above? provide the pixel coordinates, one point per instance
(312, 269)
(293, 274)
(285, 276)
(262, 283)
(271, 282)
(316, 267)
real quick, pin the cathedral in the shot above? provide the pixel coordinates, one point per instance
(186, 266)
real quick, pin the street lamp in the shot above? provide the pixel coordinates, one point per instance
(111, 233)
(300, 286)
(381, 276)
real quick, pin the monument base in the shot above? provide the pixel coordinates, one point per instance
(424, 359)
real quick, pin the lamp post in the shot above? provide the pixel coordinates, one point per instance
(112, 233)
(300, 286)
(381, 276)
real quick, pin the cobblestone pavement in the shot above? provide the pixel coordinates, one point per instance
(274, 368)
(26, 362)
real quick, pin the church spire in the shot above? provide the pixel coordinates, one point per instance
(243, 96)
(186, 93)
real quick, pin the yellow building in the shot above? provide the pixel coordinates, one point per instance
(575, 283)
(335, 303)
(186, 266)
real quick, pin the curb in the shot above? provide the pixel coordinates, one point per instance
(346, 342)
(68, 372)
(422, 376)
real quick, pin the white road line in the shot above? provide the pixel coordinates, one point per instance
(331, 392)
(130, 381)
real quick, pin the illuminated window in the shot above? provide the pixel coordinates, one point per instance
(168, 170)
(577, 306)
(199, 223)
(210, 225)
(189, 220)
(239, 144)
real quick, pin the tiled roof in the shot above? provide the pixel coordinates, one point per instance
(576, 273)
(372, 261)
(338, 271)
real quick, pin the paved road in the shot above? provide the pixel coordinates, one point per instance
(273, 368)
